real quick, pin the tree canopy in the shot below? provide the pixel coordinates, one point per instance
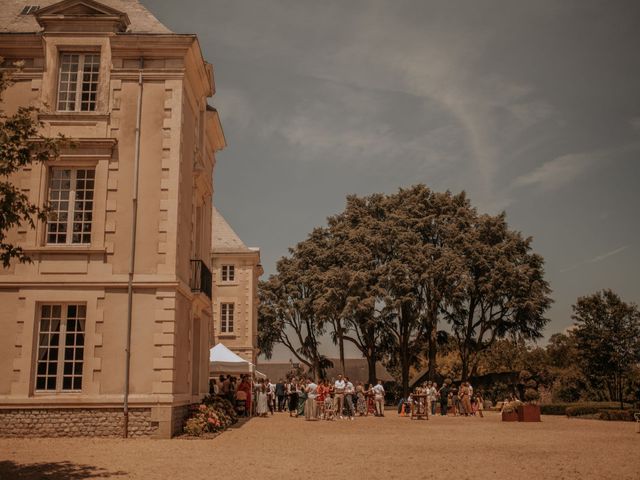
(390, 271)
(607, 333)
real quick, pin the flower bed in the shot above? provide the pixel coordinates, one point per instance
(213, 415)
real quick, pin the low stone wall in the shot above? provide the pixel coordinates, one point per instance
(74, 422)
(178, 416)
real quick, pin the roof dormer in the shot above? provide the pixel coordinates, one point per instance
(81, 16)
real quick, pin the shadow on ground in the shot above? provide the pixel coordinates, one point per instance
(53, 471)
(242, 421)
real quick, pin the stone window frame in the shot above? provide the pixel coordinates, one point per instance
(83, 155)
(228, 273)
(227, 317)
(71, 200)
(81, 86)
(55, 47)
(62, 346)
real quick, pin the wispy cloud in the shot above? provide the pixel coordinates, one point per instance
(565, 168)
(596, 259)
(557, 172)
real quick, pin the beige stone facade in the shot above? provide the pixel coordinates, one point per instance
(236, 270)
(100, 70)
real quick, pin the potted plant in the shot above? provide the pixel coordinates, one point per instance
(530, 410)
(510, 412)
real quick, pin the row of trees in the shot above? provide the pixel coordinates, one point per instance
(598, 358)
(401, 275)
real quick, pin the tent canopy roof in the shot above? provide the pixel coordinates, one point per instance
(223, 360)
(220, 353)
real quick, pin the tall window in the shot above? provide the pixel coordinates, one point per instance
(78, 82)
(71, 202)
(60, 347)
(228, 273)
(226, 317)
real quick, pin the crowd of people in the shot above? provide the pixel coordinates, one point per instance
(341, 398)
(325, 400)
(451, 399)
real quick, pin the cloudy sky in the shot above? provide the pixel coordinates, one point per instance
(530, 106)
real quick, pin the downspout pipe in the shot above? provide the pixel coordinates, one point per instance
(132, 252)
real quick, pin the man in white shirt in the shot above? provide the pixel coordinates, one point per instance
(338, 400)
(378, 396)
(310, 404)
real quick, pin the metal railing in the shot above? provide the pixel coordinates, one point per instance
(200, 278)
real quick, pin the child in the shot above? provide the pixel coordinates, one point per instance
(480, 404)
(328, 407)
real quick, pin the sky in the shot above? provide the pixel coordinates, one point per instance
(532, 107)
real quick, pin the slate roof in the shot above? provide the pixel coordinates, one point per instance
(223, 238)
(142, 20)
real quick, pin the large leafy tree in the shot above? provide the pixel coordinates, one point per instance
(287, 313)
(502, 292)
(440, 221)
(20, 144)
(607, 332)
(385, 272)
(354, 278)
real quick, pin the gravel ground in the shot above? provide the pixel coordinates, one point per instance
(367, 448)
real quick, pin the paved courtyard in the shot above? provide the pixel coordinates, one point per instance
(280, 447)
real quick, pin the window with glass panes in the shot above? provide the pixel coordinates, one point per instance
(60, 353)
(71, 202)
(78, 82)
(226, 317)
(228, 273)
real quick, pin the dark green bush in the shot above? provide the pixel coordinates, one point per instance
(580, 410)
(577, 409)
(554, 408)
(620, 415)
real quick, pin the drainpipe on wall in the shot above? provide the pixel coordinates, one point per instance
(132, 253)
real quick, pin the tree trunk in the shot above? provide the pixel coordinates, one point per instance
(433, 349)
(404, 367)
(620, 388)
(464, 359)
(341, 348)
(316, 368)
(405, 379)
(371, 363)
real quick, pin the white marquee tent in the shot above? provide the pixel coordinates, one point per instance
(223, 360)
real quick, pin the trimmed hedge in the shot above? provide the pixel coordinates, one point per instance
(620, 415)
(577, 409)
(554, 408)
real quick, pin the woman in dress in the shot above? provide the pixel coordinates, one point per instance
(480, 404)
(262, 405)
(361, 401)
(292, 393)
(245, 387)
(302, 396)
(322, 392)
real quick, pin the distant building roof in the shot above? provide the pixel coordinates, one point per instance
(223, 238)
(11, 20)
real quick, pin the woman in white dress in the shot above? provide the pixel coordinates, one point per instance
(262, 405)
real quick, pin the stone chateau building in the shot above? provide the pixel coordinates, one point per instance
(126, 252)
(236, 270)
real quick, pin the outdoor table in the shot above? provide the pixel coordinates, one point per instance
(419, 406)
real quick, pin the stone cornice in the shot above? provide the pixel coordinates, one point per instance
(151, 45)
